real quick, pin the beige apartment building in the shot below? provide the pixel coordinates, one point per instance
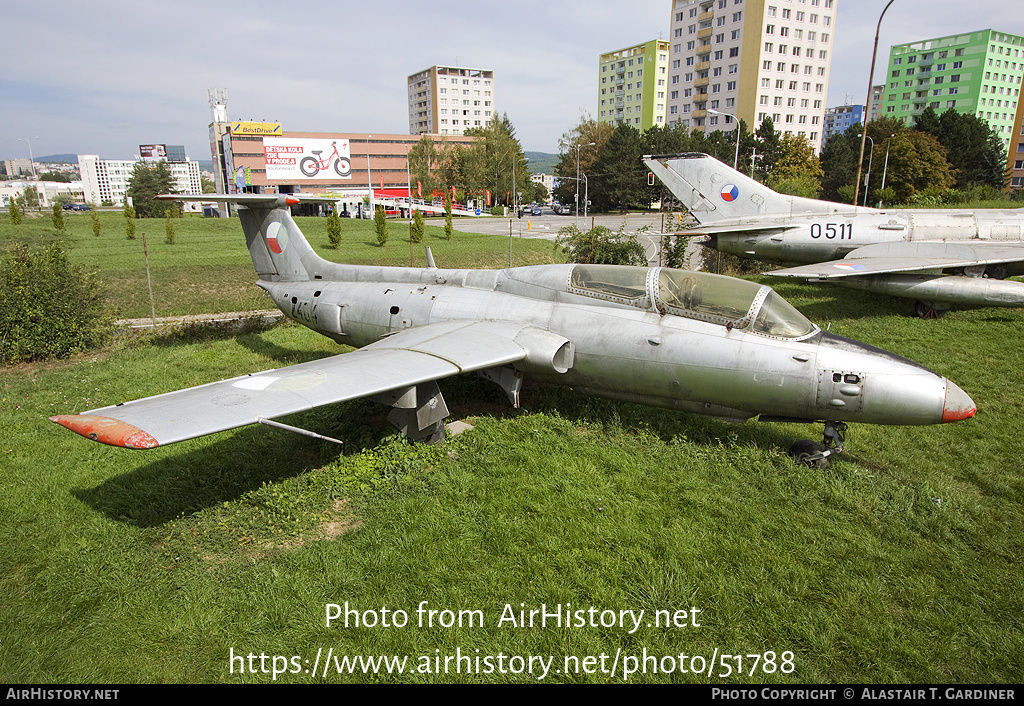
(751, 59)
(448, 100)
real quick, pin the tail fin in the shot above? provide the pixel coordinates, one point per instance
(278, 249)
(713, 191)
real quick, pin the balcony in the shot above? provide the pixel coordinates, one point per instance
(702, 33)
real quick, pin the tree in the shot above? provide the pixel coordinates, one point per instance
(58, 218)
(169, 226)
(129, 222)
(15, 211)
(334, 229)
(97, 225)
(418, 226)
(797, 168)
(492, 160)
(145, 183)
(422, 157)
(584, 143)
(768, 150)
(839, 163)
(974, 150)
(620, 177)
(380, 225)
(448, 229)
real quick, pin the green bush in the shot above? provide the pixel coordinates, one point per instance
(49, 308)
(418, 226)
(380, 225)
(334, 229)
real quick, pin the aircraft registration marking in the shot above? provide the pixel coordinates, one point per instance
(843, 231)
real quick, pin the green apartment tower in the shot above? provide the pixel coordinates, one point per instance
(976, 72)
(632, 84)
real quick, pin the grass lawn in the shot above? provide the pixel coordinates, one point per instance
(898, 563)
(207, 269)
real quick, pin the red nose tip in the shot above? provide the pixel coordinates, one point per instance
(958, 406)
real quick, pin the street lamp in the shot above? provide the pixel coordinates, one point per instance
(871, 80)
(578, 146)
(867, 177)
(369, 179)
(886, 168)
(736, 159)
(31, 159)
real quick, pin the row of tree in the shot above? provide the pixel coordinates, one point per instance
(494, 164)
(943, 156)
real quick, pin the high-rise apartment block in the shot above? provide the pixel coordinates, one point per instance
(447, 100)
(634, 86)
(752, 59)
(840, 118)
(977, 72)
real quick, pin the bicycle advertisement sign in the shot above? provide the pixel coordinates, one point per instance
(297, 159)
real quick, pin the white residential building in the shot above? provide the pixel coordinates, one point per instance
(447, 100)
(106, 180)
(752, 59)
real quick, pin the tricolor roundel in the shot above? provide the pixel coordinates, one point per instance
(277, 237)
(730, 192)
(850, 266)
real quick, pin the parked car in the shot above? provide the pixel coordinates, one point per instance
(81, 207)
(535, 210)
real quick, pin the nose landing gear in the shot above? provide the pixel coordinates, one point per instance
(814, 455)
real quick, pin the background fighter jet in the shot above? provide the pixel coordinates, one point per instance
(936, 257)
(691, 341)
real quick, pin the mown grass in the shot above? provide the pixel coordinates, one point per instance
(898, 563)
(207, 269)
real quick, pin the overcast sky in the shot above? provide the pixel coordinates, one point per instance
(105, 76)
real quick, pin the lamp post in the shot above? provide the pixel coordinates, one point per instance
(867, 177)
(369, 179)
(31, 159)
(578, 146)
(871, 80)
(888, 143)
(736, 159)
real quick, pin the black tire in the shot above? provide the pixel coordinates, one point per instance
(927, 311)
(342, 166)
(309, 166)
(802, 450)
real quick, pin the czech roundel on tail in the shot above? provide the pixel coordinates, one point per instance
(690, 341)
(937, 257)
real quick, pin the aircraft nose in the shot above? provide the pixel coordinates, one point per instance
(958, 405)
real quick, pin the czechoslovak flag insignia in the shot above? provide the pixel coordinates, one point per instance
(277, 237)
(730, 192)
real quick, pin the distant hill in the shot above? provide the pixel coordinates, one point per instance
(59, 159)
(542, 162)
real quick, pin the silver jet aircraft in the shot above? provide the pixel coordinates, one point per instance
(936, 257)
(689, 341)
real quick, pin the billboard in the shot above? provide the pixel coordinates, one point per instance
(246, 127)
(296, 159)
(152, 153)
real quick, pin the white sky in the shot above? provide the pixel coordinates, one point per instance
(105, 76)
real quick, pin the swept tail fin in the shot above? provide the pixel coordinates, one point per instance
(713, 191)
(279, 250)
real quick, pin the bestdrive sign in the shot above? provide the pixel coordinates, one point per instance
(244, 127)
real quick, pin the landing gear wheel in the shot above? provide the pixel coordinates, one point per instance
(805, 450)
(927, 311)
(437, 436)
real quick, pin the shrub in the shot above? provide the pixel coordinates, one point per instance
(169, 226)
(49, 308)
(334, 229)
(129, 222)
(380, 224)
(58, 219)
(418, 226)
(15, 211)
(600, 245)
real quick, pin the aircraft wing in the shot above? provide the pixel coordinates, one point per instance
(907, 256)
(400, 360)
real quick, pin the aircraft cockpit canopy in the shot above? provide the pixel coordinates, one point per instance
(730, 302)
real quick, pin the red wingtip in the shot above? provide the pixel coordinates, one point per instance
(291, 200)
(106, 430)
